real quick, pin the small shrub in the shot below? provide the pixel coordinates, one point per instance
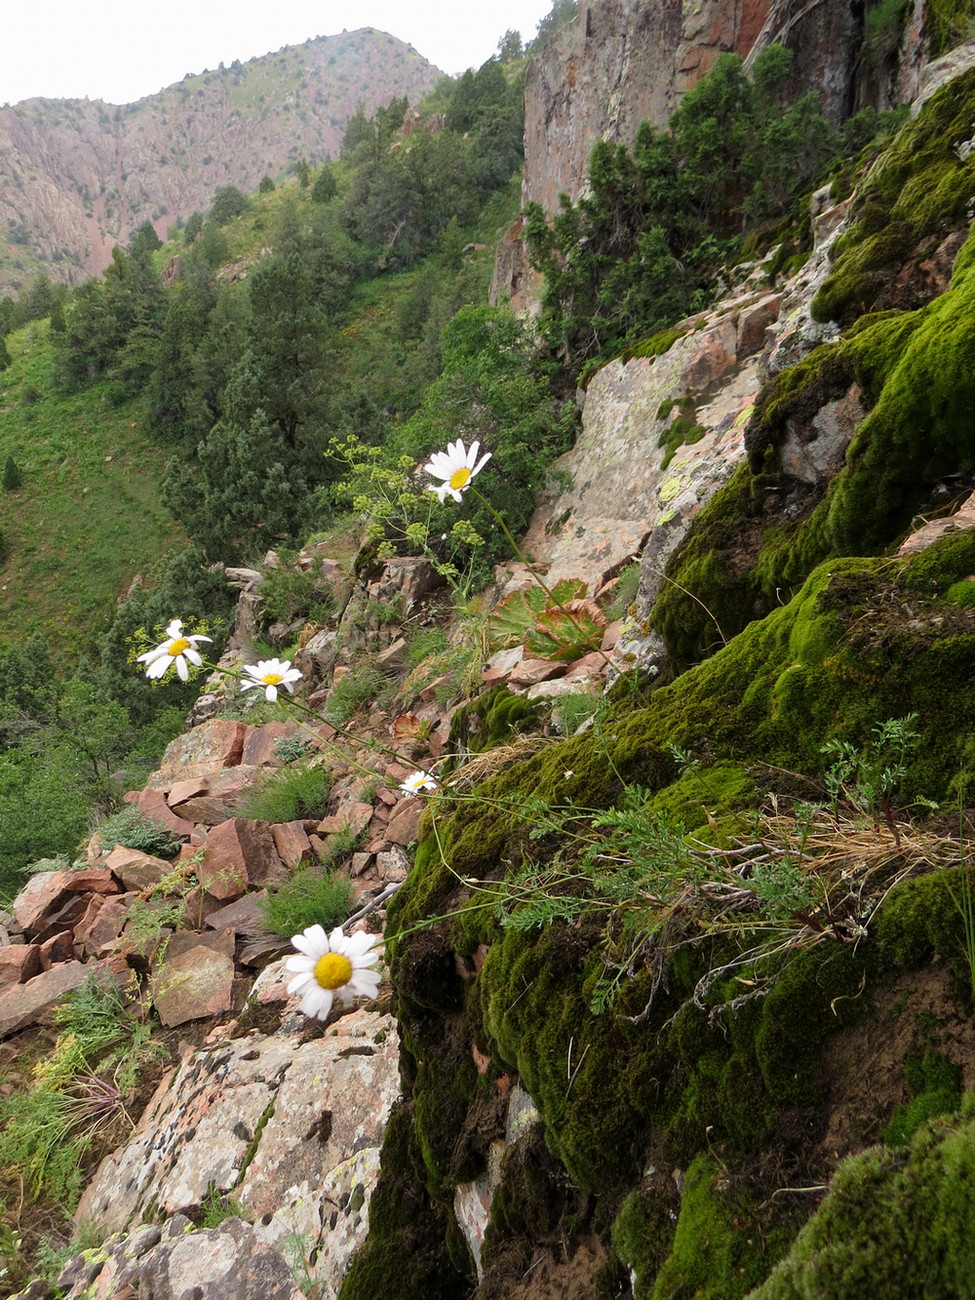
(289, 749)
(12, 477)
(133, 830)
(571, 711)
(625, 593)
(313, 896)
(290, 592)
(288, 795)
(358, 685)
(216, 1208)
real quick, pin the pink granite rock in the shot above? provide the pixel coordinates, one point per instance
(200, 752)
(152, 804)
(403, 824)
(239, 853)
(135, 869)
(187, 789)
(19, 962)
(103, 922)
(260, 742)
(195, 978)
(354, 817)
(225, 789)
(291, 843)
(33, 1002)
(46, 893)
(59, 948)
(530, 671)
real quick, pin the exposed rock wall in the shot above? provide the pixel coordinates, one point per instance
(622, 62)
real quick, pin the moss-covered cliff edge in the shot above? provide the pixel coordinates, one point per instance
(719, 939)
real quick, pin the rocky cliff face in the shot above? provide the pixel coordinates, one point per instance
(623, 62)
(78, 176)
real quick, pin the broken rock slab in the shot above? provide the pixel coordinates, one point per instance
(135, 869)
(208, 747)
(239, 855)
(45, 895)
(195, 978)
(174, 1261)
(32, 1003)
(290, 1130)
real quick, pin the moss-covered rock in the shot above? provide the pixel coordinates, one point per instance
(895, 1224)
(915, 194)
(761, 535)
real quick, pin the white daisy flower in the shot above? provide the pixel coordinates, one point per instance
(456, 466)
(332, 965)
(176, 649)
(271, 673)
(418, 781)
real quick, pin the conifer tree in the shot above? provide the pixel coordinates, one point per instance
(12, 477)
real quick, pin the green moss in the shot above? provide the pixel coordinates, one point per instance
(405, 1253)
(742, 554)
(494, 718)
(962, 593)
(710, 594)
(643, 1232)
(714, 1256)
(701, 797)
(921, 920)
(656, 345)
(533, 1203)
(818, 991)
(919, 190)
(894, 1224)
(935, 1088)
(592, 1078)
(659, 1083)
(684, 431)
(919, 430)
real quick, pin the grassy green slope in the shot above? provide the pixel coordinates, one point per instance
(87, 517)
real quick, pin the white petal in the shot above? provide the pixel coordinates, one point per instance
(199, 637)
(480, 465)
(193, 656)
(158, 667)
(361, 986)
(312, 942)
(316, 933)
(471, 456)
(271, 693)
(245, 686)
(359, 943)
(174, 628)
(317, 1002)
(181, 668)
(301, 984)
(301, 963)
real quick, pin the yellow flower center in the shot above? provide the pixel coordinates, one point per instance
(178, 646)
(460, 477)
(333, 970)
(272, 679)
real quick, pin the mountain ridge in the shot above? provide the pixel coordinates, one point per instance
(79, 176)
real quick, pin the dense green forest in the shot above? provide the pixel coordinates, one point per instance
(286, 350)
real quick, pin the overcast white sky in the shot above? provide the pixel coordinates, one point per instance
(122, 50)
